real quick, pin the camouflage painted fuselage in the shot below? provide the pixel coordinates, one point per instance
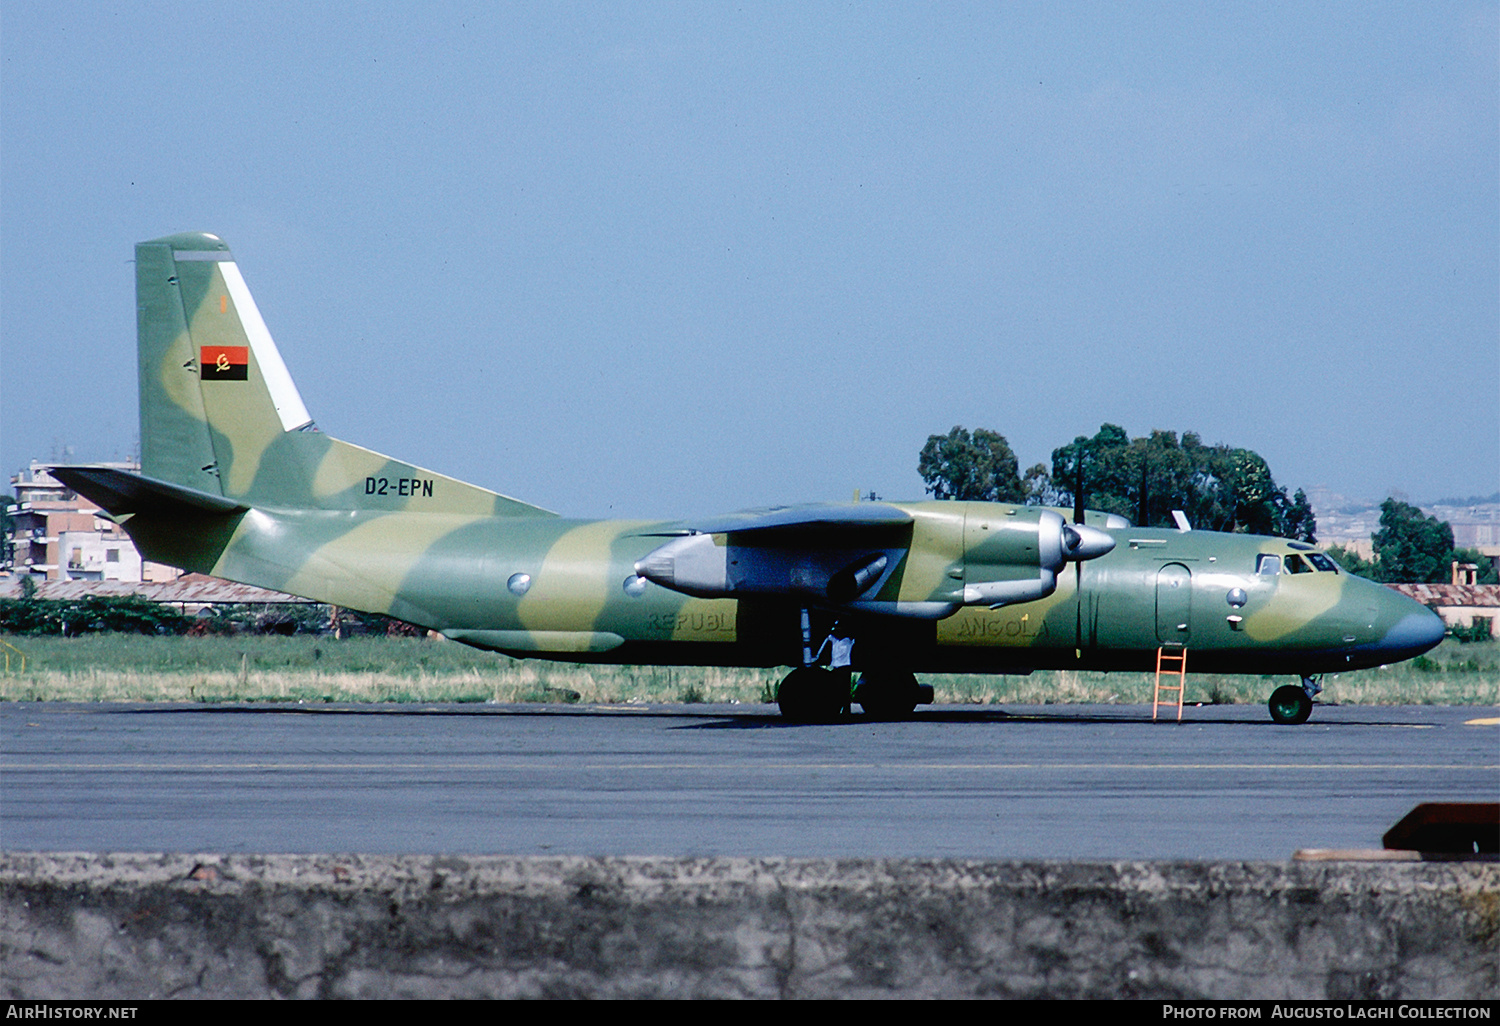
(583, 600)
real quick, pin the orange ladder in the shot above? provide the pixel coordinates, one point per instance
(1164, 660)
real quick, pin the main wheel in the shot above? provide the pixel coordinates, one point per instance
(813, 695)
(888, 695)
(1289, 704)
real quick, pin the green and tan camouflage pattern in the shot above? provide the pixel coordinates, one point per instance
(306, 514)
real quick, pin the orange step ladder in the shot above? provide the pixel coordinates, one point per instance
(1165, 658)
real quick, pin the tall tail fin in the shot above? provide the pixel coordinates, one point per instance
(220, 413)
(214, 391)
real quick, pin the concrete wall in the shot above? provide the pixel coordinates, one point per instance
(148, 926)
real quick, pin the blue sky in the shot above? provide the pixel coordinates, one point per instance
(650, 259)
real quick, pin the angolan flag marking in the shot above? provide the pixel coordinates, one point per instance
(224, 363)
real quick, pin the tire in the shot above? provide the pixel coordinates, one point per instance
(813, 695)
(1290, 705)
(887, 696)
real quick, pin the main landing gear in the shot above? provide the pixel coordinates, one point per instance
(1291, 703)
(812, 694)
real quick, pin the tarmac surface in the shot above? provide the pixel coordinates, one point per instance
(1070, 782)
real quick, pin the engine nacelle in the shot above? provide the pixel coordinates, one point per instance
(709, 566)
(694, 564)
(999, 549)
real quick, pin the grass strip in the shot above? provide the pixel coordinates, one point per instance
(257, 668)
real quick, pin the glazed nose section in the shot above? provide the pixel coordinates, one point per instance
(1410, 627)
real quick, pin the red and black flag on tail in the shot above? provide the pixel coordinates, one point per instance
(224, 363)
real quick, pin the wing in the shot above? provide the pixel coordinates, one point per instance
(789, 520)
(918, 561)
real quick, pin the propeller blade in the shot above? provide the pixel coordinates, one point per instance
(1078, 489)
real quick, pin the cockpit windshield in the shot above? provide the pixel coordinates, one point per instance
(1269, 565)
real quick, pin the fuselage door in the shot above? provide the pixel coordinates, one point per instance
(1174, 604)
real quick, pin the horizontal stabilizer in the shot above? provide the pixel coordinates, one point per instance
(120, 493)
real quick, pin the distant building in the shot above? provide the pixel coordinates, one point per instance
(1475, 526)
(1343, 524)
(57, 535)
(1460, 605)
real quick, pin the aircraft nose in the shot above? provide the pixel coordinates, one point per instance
(1412, 630)
(1416, 630)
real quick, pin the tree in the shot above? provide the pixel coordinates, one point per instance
(1093, 466)
(1352, 561)
(1300, 523)
(1039, 489)
(6, 545)
(1141, 479)
(94, 613)
(1410, 547)
(978, 467)
(1219, 488)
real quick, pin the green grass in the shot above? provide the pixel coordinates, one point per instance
(129, 667)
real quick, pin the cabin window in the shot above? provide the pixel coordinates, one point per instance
(1267, 565)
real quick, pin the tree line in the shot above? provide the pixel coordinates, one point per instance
(1413, 548)
(1218, 487)
(137, 614)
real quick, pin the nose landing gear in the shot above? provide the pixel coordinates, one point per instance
(1291, 704)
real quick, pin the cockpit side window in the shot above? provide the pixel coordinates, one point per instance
(1295, 565)
(1322, 562)
(1267, 565)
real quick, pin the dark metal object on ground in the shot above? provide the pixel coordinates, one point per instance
(1448, 828)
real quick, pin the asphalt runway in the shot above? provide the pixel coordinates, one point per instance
(1089, 782)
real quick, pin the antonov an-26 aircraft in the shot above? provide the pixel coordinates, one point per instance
(237, 482)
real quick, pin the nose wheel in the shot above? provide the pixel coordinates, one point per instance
(1291, 704)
